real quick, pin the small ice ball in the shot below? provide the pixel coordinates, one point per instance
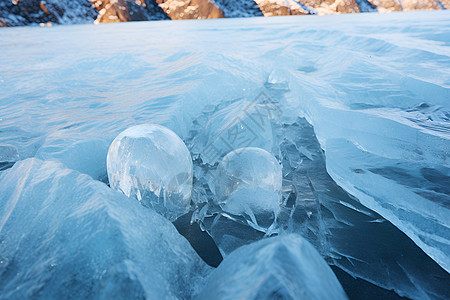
(150, 162)
(278, 79)
(248, 183)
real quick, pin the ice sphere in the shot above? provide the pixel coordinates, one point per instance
(150, 162)
(63, 233)
(248, 182)
(278, 79)
(283, 267)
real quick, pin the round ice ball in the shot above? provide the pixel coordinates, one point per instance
(150, 162)
(248, 182)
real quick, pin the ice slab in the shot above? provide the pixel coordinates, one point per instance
(63, 233)
(359, 139)
(415, 196)
(151, 163)
(284, 267)
(85, 154)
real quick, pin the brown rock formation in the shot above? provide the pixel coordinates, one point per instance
(446, 4)
(406, 5)
(111, 11)
(386, 5)
(24, 12)
(190, 9)
(322, 7)
(280, 8)
(328, 7)
(420, 5)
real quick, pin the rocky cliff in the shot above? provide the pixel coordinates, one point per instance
(47, 12)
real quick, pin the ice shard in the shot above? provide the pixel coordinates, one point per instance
(283, 267)
(63, 233)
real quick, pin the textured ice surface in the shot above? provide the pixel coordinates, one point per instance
(401, 127)
(346, 233)
(238, 124)
(248, 182)
(8, 153)
(285, 267)
(374, 86)
(85, 154)
(64, 234)
(151, 163)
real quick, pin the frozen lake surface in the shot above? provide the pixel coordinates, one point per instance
(356, 108)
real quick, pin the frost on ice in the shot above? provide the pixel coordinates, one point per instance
(64, 234)
(248, 182)
(151, 163)
(284, 267)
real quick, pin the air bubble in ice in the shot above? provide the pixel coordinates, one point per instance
(248, 183)
(150, 162)
(278, 80)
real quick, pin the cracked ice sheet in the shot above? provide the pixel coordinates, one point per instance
(347, 234)
(85, 84)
